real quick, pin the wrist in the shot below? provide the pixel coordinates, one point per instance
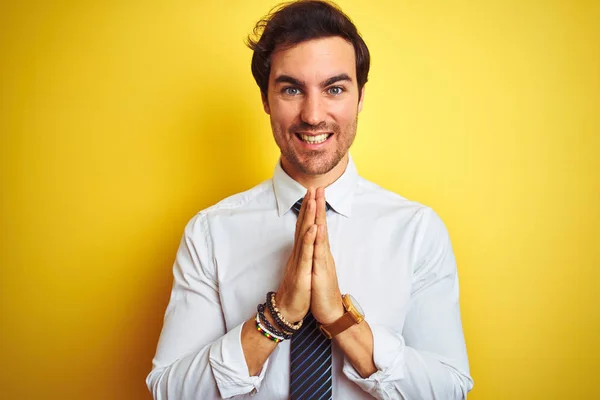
(335, 313)
(287, 310)
(353, 315)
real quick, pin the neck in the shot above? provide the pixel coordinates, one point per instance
(316, 181)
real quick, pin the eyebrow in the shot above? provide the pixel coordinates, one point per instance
(325, 83)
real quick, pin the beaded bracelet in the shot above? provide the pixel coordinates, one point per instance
(261, 313)
(266, 333)
(278, 317)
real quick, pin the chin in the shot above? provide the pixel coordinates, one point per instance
(317, 167)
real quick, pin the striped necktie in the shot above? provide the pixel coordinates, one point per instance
(310, 357)
(298, 204)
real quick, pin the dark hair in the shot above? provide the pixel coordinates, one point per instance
(291, 23)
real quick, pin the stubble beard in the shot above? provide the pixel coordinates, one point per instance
(316, 162)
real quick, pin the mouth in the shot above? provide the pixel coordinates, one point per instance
(314, 139)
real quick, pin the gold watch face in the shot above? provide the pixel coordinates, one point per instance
(355, 305)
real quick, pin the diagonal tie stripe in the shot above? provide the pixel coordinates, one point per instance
(314, 382)
(298, 204)
(319, 387)
(310, 369)
(310, 357)
(304, 368)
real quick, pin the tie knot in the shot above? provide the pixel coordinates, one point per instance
(297, 205)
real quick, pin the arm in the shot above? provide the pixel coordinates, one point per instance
(428, 360)
(196, 357)
(326, 300)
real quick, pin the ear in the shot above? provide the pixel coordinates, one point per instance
(361, 99)
(265, 102)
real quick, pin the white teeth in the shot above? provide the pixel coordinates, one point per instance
(314, 139)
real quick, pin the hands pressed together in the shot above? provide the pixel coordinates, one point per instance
(310, 280)
(310, 284)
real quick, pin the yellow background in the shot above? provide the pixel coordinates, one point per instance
(119, 120)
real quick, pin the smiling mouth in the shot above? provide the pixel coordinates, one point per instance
(314, 139)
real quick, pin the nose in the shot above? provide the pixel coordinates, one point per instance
(313, 110)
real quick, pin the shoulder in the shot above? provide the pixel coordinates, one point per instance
(385, 201)
(260, 196)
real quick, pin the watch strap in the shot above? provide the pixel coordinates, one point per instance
(339, 326)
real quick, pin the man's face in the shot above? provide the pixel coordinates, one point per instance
(313, 102)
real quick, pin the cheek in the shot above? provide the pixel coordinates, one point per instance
(284, 116)
(345, 113)
(344, 106)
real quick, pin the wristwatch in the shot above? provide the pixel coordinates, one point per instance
(353, 315)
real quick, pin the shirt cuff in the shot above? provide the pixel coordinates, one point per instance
(388, 355)
(229, 366)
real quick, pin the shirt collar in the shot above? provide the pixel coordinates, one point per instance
(339, 194)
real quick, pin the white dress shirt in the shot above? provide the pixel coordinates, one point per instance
(393, 255)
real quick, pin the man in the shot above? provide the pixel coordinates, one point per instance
(346, 236)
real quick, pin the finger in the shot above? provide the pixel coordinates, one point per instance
(301, 214)
(307, 253)
(307, 195)
(321, 218)
(309, 217)
(320, 247)
(326, 237)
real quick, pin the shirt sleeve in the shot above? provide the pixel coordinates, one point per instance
(196, 357)
(428, 360)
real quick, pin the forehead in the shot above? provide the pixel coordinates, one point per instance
(315, 60)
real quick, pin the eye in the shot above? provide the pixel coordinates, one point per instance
(335, 90)
(291, 91)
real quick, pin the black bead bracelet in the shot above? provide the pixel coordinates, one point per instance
(261, 313)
